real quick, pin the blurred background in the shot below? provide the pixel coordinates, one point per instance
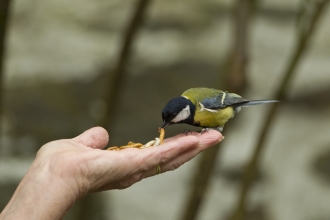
(69, 65)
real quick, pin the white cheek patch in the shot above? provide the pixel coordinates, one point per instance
(184, 114)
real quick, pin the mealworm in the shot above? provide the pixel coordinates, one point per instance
(161, 135)
(137, 145)
(113, 148)
(150, 143)
(157, 142)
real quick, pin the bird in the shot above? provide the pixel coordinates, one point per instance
(206, 108)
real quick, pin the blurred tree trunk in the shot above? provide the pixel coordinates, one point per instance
(299, 50)
(92, 206)
(235, 82)
(238, 61)
(117, 78)
(4, 14)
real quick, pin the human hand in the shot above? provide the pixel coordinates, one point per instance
(66, 170)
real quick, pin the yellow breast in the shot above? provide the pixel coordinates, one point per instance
(213, 119)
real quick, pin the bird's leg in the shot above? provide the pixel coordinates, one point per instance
(186, 131)
(204, 130)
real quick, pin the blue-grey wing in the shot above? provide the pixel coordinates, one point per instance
(223, 100)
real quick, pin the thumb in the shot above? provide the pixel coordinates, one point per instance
(96, 137)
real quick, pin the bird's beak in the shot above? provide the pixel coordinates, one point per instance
(165, 124)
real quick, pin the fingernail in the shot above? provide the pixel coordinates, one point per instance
(222, 137)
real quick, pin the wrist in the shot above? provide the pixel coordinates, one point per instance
(42, 194)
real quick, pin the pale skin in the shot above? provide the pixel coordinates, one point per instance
(67, 170)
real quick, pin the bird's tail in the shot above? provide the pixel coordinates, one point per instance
(253, 102)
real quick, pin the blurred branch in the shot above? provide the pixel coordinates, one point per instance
(298, 52)
(93, 206)
(4, 14)
(116, 80)
(235, 82)
(200, 182)
(239, 55)
(119, 74)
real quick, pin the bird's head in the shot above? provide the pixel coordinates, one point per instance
(178, 110)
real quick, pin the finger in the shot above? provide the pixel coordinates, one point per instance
(205, 141)
(137, 162)
(143, 160)
(96, 137)
(180, 145)
(209, 139)
(193, 133)
(180, 135)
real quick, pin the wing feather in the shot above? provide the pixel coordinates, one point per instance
(223, 100)
(212, 98)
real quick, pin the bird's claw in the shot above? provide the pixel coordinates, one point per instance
(204, 130)
(186, 131)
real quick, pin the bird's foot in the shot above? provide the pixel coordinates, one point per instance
(205, 130)
(186, 131)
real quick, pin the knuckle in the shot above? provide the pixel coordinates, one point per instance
(144, 168)
(137, 177)
(130, 181)
(175, 166)
(163, 159)
(125, 184)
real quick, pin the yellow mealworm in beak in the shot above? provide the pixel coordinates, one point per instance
(162, 135)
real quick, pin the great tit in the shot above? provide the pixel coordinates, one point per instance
(205, 107)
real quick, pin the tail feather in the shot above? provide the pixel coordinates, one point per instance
(254, 102)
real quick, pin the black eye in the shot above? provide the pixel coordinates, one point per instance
(174, 114)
